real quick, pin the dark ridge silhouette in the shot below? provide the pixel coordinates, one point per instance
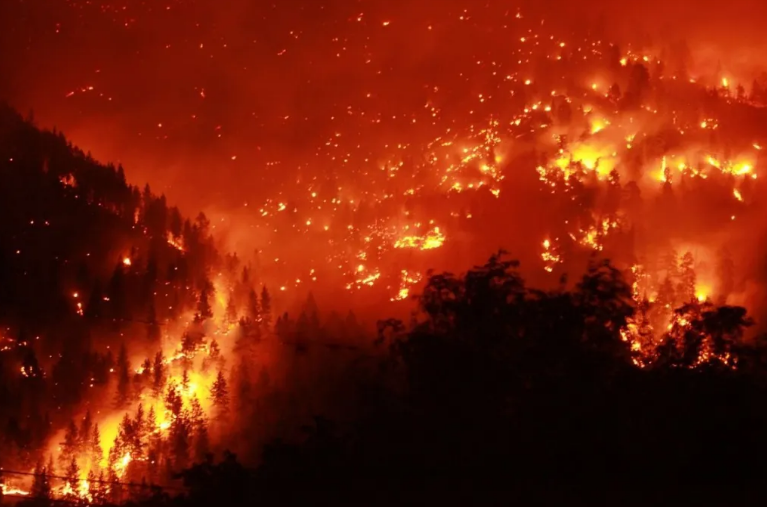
(85, 259)
(499, 393)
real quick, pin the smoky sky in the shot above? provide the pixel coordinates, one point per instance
(237, 106)
(179, 89)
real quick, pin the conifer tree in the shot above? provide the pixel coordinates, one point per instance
(69, 448)
(151, 421)
(114, 491)
(158, 374)
(180, 436)
(153, 332)
(140, 432)
(204, 310)
(687, 281)
(231, 310)
(94, 448)
(302, 327)
(41, 485)
(266, 310)
(243, 389)
(146, 371)
(125, 436)
(117, 294)
(254, 310)
(92, 486)
(72, 475)
(671, 264)
(173, 401)
(666, 295)
(220, 395)
(123, 377)
(86, 426)
(199, 430)
(99, 490)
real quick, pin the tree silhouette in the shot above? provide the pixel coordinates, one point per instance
(72, 477)
(199, 428)
(266, 309)
(95, 450)
(158, 374)
(204, 310)
(153, 327)
(219, 393)
(254, 308)
(686, 288)
(231, 310)
(41, 485)
(70, 446)
(123, 377)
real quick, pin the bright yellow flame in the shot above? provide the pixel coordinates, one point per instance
(8, 490)
(549, 258)
(433, 239)
(599, 125)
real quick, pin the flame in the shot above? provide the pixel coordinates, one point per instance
(13, 491)
(123, 463)
(549, 258)
(177, 243)
(407, 281)
(599, 125)
(433, 239)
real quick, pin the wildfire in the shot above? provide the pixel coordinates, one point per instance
(594, 235)
(82, 492)
(407, 281)
(586, 144)
(549, 257)
(433, 239)
(123, 463)
(177, 243)
(366, 280)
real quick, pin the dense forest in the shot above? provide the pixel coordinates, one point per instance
(85, 259)
(493, 392)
